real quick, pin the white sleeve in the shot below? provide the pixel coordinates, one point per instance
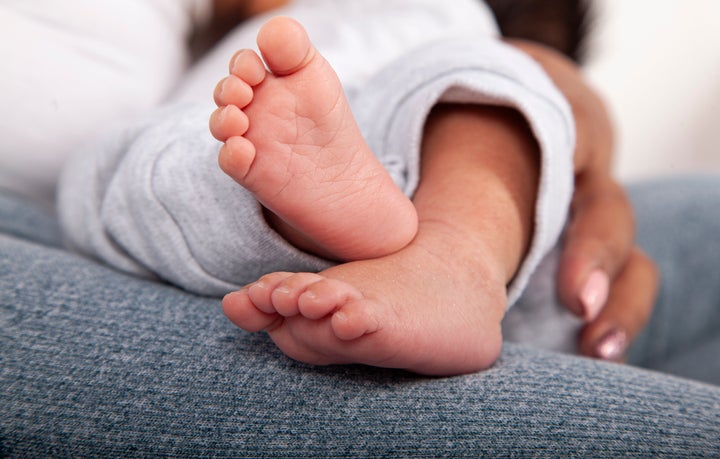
(70, 68)
(392, 110)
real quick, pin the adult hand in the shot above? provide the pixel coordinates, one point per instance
(602, 276)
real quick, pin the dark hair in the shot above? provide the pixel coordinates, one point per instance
(560, 24)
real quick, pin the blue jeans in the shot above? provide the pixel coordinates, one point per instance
(97, 363)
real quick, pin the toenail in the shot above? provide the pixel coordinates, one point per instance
(282, 290)
(340, 316)
(309, 295)
(232, 296)
(257, 286)
(227, 111)
(234, 59)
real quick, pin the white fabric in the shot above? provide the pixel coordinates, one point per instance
(357, 37)
(71, 67)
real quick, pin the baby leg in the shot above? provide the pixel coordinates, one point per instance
(435, 306)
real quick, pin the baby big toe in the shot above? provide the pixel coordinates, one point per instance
(241, 311)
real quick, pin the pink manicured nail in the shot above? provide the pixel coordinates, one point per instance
(612, 345)
(595, 293)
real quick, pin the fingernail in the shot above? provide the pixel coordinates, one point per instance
(612, 345)
(595, 293)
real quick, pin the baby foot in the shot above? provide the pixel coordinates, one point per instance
(412, 309)
(291, 140)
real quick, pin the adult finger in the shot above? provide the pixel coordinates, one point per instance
(596, 246)
(628, 308)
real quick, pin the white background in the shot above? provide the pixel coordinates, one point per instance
(657, 64)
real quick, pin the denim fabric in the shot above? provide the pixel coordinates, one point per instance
(678, 224)
(30, 222)
(96, 363)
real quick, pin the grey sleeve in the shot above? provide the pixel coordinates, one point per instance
(151, 200)
(392, 109)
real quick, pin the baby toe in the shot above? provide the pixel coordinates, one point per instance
(285, 45)
(232, 90)
(247, 65)
(286, 294)
(235, 158)
(325, 296)
(260, 291)
(229, 121)
(354, 320)
(241, 311)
